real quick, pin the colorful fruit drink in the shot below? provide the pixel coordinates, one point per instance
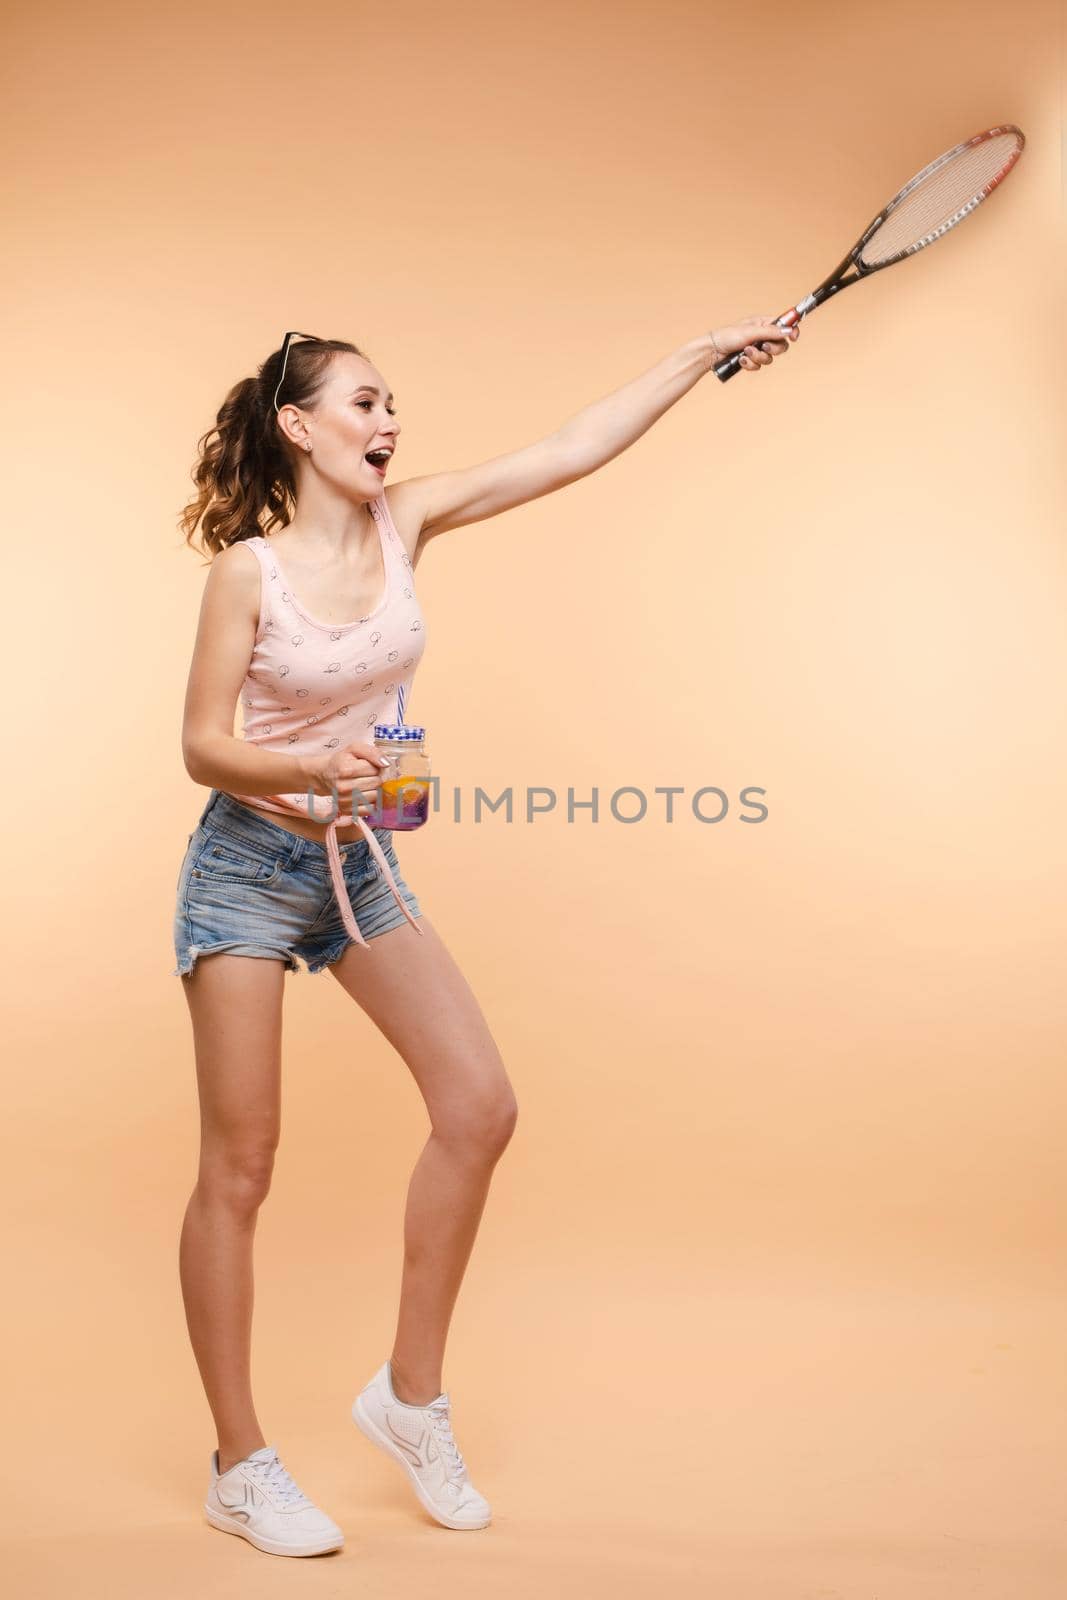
(403, 799)
(403, 803)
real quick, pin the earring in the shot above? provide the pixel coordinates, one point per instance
(308, 445)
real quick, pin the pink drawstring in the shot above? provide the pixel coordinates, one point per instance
(341, 893)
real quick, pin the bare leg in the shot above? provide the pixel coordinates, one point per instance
(236, 1008)
(416, 994)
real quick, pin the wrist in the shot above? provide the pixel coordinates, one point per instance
(307, 775)
(708, 350)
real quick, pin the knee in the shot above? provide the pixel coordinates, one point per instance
(507, 1114)
(239, 1175)
(482, 1126)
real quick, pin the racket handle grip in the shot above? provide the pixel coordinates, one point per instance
(726, 369)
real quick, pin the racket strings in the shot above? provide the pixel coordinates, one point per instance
(942, 198)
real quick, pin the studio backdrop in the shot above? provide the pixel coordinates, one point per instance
(767, 1298)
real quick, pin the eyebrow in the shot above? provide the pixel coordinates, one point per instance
(371, 389)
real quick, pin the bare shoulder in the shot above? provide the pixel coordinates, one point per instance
(233, 581)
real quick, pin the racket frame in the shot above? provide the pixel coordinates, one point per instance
(837, 280)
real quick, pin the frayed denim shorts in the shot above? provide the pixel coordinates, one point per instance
(252, 888)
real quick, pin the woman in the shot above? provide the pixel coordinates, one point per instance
(318, 629)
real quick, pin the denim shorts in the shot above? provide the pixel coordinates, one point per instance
(252, 888)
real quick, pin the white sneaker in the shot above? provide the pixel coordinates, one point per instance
(258, 1499)
(420, 1438)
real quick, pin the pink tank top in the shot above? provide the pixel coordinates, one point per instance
(313, 686)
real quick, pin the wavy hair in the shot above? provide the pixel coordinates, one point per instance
(244, 476)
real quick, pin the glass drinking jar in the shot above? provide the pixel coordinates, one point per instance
(403, 797)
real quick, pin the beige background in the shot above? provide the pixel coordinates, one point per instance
(767, 1301)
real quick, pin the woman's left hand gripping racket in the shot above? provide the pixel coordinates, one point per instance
(929, 204)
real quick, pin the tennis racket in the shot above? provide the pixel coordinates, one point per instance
(931, 203)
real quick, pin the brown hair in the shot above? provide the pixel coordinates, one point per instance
(244, 465)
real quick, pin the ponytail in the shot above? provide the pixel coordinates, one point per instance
(244, 466)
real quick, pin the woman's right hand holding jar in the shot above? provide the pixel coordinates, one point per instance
(354, 771)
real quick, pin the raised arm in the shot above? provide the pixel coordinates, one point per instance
(595, 435)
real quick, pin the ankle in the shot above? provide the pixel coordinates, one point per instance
(410, 1390)
(230, 1458)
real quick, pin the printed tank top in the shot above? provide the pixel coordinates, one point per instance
(312, 687)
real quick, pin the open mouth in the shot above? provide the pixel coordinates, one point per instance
(378, 459)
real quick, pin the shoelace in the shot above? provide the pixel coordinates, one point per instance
(442, 1427)
(274, 1477)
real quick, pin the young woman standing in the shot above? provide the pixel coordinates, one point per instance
(316, 627)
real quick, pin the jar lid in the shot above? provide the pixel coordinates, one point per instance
(397, 730)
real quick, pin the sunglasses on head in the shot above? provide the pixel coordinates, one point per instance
(285, 357)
